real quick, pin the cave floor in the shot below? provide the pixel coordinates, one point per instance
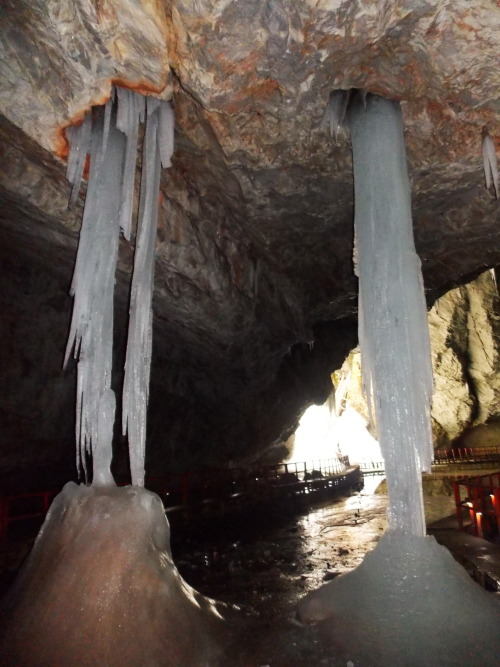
(263, 562)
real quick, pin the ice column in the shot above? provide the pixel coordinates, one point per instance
(111, 134)
(393, 331)
(139, 344)
(91, 333)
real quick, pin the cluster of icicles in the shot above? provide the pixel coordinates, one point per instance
(110, 134)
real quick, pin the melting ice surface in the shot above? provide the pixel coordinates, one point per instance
(409, 602)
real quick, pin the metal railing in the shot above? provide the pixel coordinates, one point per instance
(23, 507)
(181, 490)
(477, 501)
(482, 458)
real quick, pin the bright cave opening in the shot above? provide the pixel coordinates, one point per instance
(339, 427)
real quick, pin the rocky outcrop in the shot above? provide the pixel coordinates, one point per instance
(464, 327)
(465, 334)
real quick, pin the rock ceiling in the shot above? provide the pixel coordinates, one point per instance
(255, 297)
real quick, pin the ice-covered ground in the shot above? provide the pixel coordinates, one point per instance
(408, 603)
(100, 588)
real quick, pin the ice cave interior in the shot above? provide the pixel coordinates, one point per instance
(205, 207)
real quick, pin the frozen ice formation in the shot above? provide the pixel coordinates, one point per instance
(140, 335)
(393, 333)
(408, 603)
(100, 588)
(490, 163)
(91, 332)
(111, 135)
(335, 112)
(79, 145)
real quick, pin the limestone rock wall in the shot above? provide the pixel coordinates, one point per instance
(464, 328)
(37, 398)
(465, 336)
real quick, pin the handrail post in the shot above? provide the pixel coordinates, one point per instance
(496, 506)
(458, 505)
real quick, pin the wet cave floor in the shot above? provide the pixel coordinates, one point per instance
(265, 562)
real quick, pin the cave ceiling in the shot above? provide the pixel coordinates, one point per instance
(254, 283)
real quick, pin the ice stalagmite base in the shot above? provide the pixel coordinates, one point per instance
(393, 333)
(100, 588)
(409, 603)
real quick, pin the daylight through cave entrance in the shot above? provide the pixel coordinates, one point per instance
(324, 434)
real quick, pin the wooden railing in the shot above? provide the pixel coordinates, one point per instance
(181, 490)
(482, 458)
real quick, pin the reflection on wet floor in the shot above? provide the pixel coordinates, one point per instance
(256, 558)
(266, 563)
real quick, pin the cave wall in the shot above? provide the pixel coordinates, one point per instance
(464, 328)
(37, 398)
(239, 421)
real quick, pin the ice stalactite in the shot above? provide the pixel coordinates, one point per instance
(393, 332)
(91, 333)
(409, 602)
(79, 144)
(335, 112)
(490, 163)
(139, 345)
(130, 112)
(111, 133)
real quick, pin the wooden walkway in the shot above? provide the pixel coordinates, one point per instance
(208, 491)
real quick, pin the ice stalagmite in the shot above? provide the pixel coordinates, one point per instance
(139, 344)
(393, 331)
(91, 333)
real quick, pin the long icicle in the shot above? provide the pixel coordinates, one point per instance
(112, 136)
(129, 104)
(139, 344)
(394, 338)
(79, 145)
(91, 332)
